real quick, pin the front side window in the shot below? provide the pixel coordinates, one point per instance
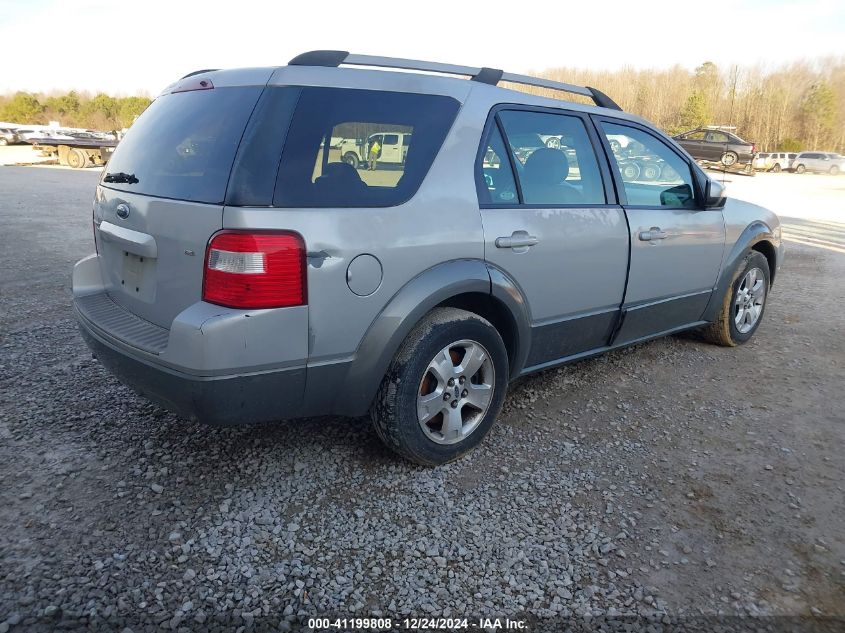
(695, 136)
(351, 148)
(652, 174)
(554, 158)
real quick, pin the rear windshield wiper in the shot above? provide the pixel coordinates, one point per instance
(121, 177)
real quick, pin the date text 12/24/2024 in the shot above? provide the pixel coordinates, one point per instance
(416, 624)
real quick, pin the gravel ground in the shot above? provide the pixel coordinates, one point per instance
(672, 478)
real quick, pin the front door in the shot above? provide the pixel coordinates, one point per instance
(548, 225)
(391, 149)
(676, 245)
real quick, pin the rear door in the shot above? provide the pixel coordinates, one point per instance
(551, 224)
(676, 245)
(161, 198)
(715, 145)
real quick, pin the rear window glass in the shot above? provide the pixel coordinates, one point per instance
(352, 148)
(183, 145)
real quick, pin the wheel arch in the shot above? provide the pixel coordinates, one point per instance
(757, 236)
(467, 284)
(768, 250)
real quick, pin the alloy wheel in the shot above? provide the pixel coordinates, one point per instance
(455, 392)
(749, 301)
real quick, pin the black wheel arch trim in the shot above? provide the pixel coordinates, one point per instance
(406, 308)
(753, 234)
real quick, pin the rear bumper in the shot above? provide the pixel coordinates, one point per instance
(218, 400)
(213, 364)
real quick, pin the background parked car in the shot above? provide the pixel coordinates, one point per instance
(8, 136)
(821, 162)
(774, 161)
(717, 146)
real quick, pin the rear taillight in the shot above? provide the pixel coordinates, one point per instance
(253, 270)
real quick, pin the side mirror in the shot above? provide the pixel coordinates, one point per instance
(678, 196)
(714, 195)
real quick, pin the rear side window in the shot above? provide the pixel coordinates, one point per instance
(352, 148)
(499, 186)
(554, 158)
(183, 145)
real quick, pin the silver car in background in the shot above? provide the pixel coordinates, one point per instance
(819, 162)
(244, 271)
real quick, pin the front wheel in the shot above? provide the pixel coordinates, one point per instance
(3, 142)
(743, 304)
(800, 169)
(350, 158)
(444, 388)
(834, 170)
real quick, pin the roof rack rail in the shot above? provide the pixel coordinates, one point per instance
(491, 76)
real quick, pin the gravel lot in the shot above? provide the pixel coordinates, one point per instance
(670, 478)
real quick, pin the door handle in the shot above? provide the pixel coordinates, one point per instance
(518, 239)
(132, 241)
(653, 234)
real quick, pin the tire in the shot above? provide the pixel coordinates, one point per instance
(800, 169)
(398, 407)
(630, 171)
(776, 168)
(553, 143)
(729, 159)
(834, 170)
(350, 158)
(725, 330)
(651, 171)
(3, 142)
(77, 159)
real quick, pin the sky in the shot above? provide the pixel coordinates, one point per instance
(141, 46)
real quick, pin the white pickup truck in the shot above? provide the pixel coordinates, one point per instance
(356, 152)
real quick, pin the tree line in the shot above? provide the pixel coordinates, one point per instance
(73, 109)
(793, 107)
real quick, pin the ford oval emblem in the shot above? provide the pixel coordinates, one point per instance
(122, 210)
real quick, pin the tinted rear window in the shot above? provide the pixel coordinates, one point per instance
(343, 147)
(183, 145)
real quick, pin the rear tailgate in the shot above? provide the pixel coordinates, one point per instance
(161, 196)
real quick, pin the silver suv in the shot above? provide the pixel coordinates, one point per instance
(245, 272)
(821, 162)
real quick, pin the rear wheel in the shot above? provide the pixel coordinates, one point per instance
(3, 142)
(776, 168)
(77, 159)
(350, 159)
(444, 389)
(834, 170)
(743, 304)
(800, 169)
(729, 159)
